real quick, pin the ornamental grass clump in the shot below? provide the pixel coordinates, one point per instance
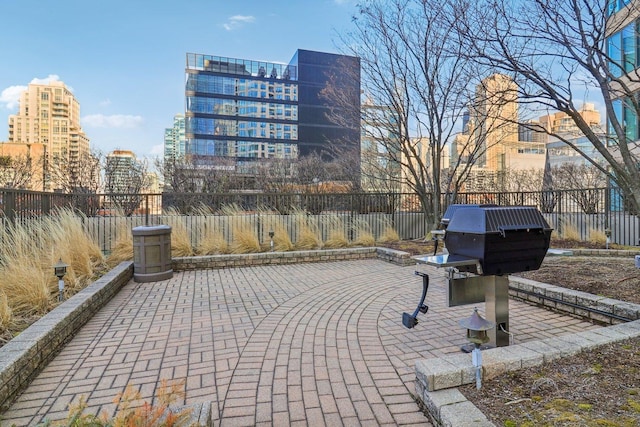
(336, 238)
(364, 236)
(389, 234)
(73, 245)
(122, 249)
(281, 240)
(570, 232)
(212, 242)
(5, 312)
(180, 237)
(244, 240)
(28, 252)
(308, 234)
(597, 236)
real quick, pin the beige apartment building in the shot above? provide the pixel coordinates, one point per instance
(562, 123)
(49, 114)
(490, 139)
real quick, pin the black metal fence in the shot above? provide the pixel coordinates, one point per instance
(105, 215)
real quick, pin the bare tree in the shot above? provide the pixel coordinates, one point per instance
(200, 174)
(79, 176)
(556, 51)
(20, 172)
(125, 177)
(418, 86)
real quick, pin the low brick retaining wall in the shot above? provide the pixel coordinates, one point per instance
(22, 358)
(596, 308)
(293, 257)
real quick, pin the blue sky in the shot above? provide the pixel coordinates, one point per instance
(124, 59)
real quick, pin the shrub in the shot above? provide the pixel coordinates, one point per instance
(133, 412)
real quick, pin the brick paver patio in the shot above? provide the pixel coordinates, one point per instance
(297, 344)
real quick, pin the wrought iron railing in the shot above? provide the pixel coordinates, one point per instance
(105, 215)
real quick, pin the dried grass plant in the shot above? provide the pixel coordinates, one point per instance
(28, 254)
(180, 240)
(122, 247)
(597, 236)
(308, 233)
(212, 242)
(6, 313)
(180, 236)
(245, 240)
(389, 234)
(336, 238)
(364, 236)
(570, 232)
(75, 247)
(281, 240)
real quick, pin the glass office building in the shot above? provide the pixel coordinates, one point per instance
(247, 110)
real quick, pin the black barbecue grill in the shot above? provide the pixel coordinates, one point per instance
(489, 241)
(504, 239)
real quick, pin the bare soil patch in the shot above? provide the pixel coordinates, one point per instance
(600, 387)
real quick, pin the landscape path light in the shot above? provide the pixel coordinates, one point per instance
(271, 234)
(477, 328)
(60, 269)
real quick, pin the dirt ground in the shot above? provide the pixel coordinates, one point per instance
(600, 387)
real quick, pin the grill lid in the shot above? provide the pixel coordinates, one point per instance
(451, 209)
(491, 219)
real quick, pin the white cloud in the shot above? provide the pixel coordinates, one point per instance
(10, 97)
(237, 21)
(105, 103)
(50, 78)
(112, 121)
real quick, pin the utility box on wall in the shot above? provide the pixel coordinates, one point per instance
(152, 253)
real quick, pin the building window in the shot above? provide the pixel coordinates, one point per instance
(622, 48)
(626, 114)
(614, 6)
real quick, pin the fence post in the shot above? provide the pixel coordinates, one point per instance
(10, 206)
(146, 209)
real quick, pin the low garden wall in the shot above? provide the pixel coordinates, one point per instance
(22, 358)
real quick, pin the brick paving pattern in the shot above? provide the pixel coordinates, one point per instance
(297, 344)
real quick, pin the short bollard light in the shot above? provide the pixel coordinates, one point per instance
(60, 269)
(607, 233)
(271, 234)
(477, 328)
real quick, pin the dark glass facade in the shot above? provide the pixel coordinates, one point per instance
(248, 109)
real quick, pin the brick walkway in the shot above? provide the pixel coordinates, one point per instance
(300, 344)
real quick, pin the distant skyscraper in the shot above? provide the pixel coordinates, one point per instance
(49, 114)
(246, 110)
(174, 139)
